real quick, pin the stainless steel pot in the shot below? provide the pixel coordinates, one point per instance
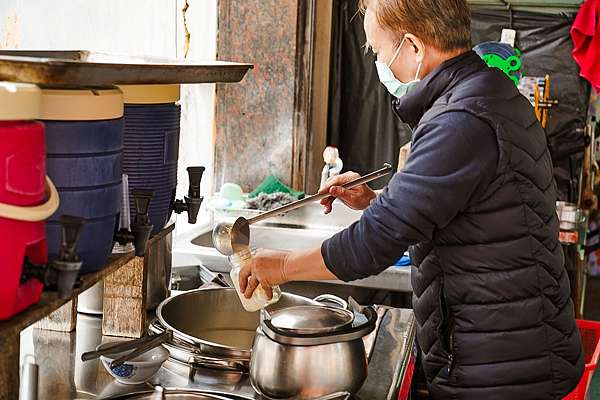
(181, 394)
(299, 366)
(210, 326)
(185, 394)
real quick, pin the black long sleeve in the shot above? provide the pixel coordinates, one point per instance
(453, 157)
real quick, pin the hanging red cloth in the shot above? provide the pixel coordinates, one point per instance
(585, 33)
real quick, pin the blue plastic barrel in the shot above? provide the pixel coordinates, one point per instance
(151, 146)
(84, 139)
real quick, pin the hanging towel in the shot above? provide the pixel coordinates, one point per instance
(585, 33)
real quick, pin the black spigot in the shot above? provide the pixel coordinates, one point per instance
(192, 202)
(142, 226)
(65, 270)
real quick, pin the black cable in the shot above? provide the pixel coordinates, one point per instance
(510, 13)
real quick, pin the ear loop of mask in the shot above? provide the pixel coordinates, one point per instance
(397, 52)
(418, 68)
(418, 71)
(396, 56)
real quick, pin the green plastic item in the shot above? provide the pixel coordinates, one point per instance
(272, 184)
(231, 191)
(509, 66)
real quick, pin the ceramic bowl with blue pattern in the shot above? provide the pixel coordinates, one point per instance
(138, 370)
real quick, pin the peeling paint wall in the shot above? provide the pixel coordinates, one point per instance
(9, 29)
(197, 40)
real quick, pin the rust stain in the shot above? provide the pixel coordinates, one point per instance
(188, 35)
(11, 31)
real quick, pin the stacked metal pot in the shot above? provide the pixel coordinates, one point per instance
(297, 348)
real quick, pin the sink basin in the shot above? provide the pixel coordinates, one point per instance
(276, 237)
(300, 229)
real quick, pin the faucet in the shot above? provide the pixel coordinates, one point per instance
(62, 272)
(333, 163)
(192, 202)
(141, 227)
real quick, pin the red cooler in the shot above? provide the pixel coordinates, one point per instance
(23, 193)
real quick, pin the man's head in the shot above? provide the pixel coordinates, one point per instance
(432, 30)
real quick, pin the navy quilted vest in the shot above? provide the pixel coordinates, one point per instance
(491, 294)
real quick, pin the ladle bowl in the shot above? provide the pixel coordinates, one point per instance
(231, 236)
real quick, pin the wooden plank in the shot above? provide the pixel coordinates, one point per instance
(127, 293)
(46, 343)
(302, 93)
(158, 264)
(124, 307)
(317, 134)
(9, 367)
(62, 320)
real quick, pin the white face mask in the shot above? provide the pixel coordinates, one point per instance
(386, 76)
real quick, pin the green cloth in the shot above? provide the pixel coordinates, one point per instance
(272, 184)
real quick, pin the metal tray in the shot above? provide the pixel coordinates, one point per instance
(85, 68)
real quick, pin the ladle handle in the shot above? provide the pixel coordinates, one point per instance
(387, 169)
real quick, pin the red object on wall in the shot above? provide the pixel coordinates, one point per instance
(404, 392)
(585, 33)
(22, 182)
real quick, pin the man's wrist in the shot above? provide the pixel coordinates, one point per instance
(284, 269)
(373, 197)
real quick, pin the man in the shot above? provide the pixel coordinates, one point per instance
(475, 204)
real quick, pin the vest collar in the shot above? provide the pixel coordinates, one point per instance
(411, 107)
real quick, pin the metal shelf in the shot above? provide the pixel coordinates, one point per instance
(84, 68)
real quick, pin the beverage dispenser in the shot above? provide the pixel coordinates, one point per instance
(151, 151)
(84, 136)
(27, 198)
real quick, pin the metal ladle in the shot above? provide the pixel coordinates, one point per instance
(230, 238)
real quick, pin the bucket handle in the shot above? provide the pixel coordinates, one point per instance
(35, 213)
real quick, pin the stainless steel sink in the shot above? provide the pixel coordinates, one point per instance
(276, 237)
(300, 229)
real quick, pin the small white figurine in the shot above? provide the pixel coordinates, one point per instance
(333, 163)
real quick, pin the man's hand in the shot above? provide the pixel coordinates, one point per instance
(265, 268)
(357, 198)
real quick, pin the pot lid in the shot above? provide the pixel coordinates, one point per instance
(311, 319)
